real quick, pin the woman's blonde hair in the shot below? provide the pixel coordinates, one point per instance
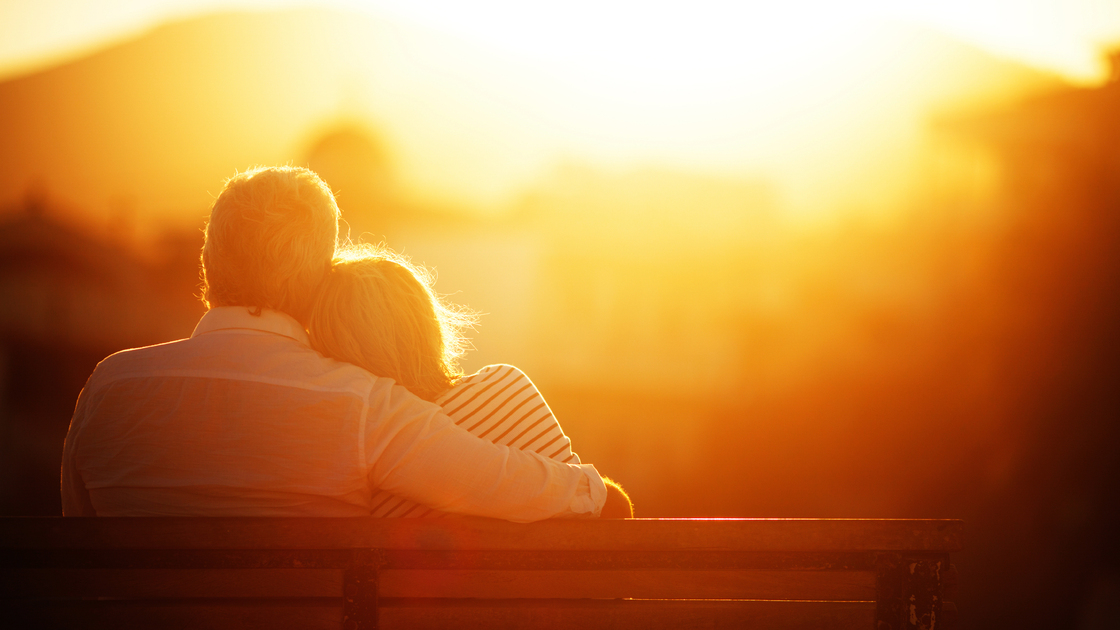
(378, 311)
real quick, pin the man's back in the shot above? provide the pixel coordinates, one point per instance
(227, 422)
(244, 418)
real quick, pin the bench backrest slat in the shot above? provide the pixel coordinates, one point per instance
(652, 615)
(418, 583)
(472, 533)
(475, 573)
(461, 614)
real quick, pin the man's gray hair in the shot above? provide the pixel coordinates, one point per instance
(269, 241)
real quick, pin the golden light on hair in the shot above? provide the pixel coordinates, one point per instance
(378, 311)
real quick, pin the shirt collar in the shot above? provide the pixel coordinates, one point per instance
(239, 317)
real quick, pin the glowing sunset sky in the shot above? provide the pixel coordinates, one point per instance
(830, 101)
(1064, 36)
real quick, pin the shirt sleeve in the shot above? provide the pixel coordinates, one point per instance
(75, 496)
(415, 451)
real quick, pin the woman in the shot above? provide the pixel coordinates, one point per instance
(378, 311)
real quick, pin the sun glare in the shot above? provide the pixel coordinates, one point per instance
(822, 97)
(696, 49)
(477, 101)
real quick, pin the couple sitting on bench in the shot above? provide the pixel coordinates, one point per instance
(321, 382)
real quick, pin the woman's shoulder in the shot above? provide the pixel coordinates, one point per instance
(495, 372)
(498, 375)
(505, 407)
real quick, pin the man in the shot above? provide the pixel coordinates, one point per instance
(244, 419)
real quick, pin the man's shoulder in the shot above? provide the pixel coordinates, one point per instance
(239, 357)
(141, 351)
(262, 359)
(130, 359)
(125, 363)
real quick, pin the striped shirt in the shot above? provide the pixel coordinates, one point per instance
(500, 404)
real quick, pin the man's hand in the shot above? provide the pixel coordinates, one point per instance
(618, 504)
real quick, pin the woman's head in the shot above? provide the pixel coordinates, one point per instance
(378, 311)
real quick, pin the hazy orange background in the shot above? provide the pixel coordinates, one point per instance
(805, 260)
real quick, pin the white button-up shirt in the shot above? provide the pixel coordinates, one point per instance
(245, 419)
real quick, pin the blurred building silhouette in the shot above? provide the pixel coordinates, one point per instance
(62, 286)
(1047, 532)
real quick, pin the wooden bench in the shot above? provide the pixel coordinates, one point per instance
(363, 573)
